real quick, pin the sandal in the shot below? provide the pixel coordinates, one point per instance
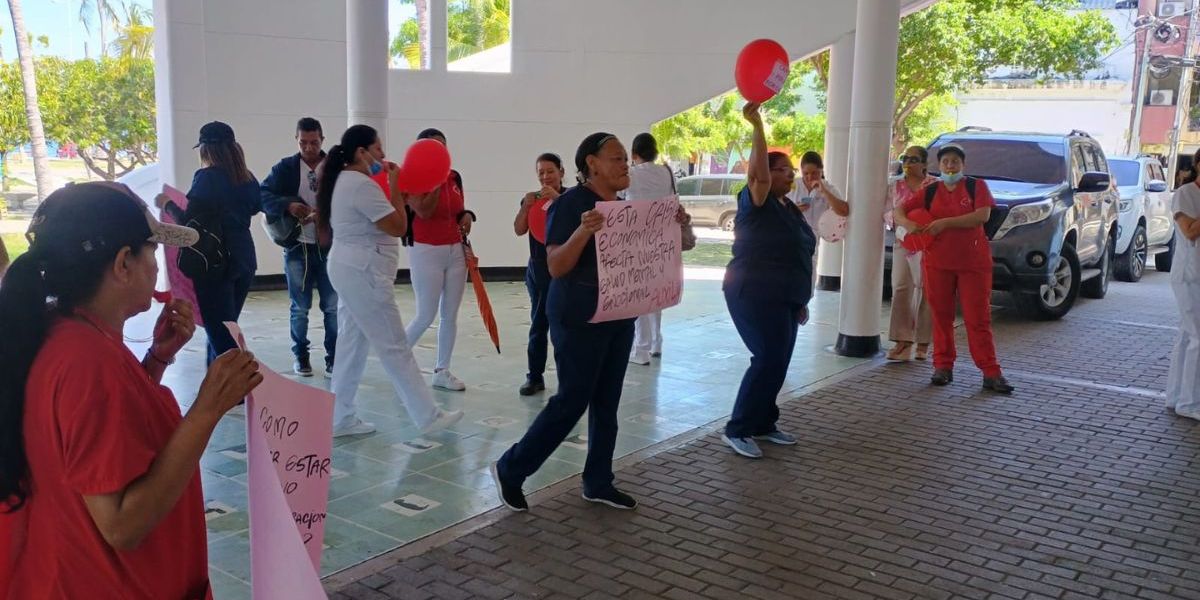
(922, 351)
(900, 352)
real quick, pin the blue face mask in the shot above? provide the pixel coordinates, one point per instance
(375, 167)
(952, 178)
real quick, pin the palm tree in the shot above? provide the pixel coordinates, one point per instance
(37, 133)
(104, 12)
(412, 42)
(135, 33)
(476, 25)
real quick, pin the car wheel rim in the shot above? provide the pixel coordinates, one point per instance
(1053, 295)
(1139, 255)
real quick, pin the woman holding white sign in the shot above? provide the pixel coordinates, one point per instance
(768, 284)
(591, 357)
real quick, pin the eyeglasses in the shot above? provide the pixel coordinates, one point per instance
(312, 180)
(910, 159)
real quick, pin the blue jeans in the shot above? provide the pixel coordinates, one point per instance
(768, 327)
(537, 283)
(591, 360)
(220, 301)
(306, 269)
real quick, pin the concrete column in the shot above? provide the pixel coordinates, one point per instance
(837, 150)
(367, 63)
(877, 32)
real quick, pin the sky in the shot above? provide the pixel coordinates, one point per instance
(58, 19)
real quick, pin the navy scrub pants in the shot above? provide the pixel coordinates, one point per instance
(222, 301)
(591, 360)
(768, 327)
(537, 283)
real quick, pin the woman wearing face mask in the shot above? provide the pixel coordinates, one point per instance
(531, 220)
(957, 263)
(1183, 379)
(768, 284)
(362, 267)
(591, 357)
(815, 194)
(438, 265)
(910, 321)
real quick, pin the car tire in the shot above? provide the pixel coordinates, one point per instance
(1097, 287)
(1131, 265)
(1048, 304)
(726, 221)
(1163, 260)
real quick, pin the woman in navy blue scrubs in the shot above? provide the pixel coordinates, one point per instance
(768, 284)
(591, 357)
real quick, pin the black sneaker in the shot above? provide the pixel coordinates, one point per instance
(531, 387)
(328, 369)
(942, 377)
(510, 495)
(612, 497)
(998, 384)
(302, 366)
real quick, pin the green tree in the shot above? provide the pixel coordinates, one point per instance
(412, 41)
(135, 33)
(104, 13)
(475, 25)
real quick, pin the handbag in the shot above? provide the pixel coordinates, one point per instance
(207, 259)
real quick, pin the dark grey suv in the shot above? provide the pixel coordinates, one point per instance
(1054, 227)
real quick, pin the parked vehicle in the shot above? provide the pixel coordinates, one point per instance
(1054, 228)
(711, 199)
(1144, 224)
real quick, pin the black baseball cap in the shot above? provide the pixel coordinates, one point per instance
(952, 148)
(83, 220)
(215, 132)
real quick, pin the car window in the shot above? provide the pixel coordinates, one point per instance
(1078, 164)
(1149, 172)
(1158, 172)
(710, 187)
(688, 186)
(1096, 158)
(1089, 158)
(1124, 171)
(1030, 161)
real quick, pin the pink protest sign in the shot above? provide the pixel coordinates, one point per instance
(640, 258)
(289, 445)
(181, 285)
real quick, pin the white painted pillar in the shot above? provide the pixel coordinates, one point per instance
(877, 33)
(367, 63)
(837, 150)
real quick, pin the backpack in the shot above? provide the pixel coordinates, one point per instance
(284, 231)
(931, 191)
(207, 259)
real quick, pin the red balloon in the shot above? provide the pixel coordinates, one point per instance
(762, 68)
(426, 166)
(538, 214)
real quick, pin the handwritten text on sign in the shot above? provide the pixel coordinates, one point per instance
(639, 257)
(289, 442)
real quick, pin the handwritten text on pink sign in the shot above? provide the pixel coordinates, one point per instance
(639, 257)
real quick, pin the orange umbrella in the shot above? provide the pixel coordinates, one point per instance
(485, 304)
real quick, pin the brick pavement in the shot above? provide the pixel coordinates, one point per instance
(1079, 486)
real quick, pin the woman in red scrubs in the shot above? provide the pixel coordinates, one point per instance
(957, 264)
(98, 468)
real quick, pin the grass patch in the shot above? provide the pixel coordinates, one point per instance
(15, 243)
(709, 254)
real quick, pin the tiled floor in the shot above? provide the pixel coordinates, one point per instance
(393, 487)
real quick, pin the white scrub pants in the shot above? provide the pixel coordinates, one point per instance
(1183, 380)
(364, 278)
(911, 320)
(439, 278)
(647, 335)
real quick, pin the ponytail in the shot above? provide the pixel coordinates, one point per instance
(24, 320)
(336, 160)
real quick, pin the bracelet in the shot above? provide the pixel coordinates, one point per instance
(150, 354)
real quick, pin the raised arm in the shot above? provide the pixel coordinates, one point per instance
(758, 171)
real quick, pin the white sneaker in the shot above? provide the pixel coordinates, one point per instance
(444, 419)
(639, 358)
(355, 427)
(446, 380)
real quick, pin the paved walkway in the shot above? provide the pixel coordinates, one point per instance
(1079, 486)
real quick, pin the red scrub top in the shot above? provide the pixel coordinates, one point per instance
(441, 229)
(94, 422)
(956, 249)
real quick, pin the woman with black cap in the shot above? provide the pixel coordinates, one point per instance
(437, 264)
(958, 262)
(224, 187)
(96, 462)
(591, 357)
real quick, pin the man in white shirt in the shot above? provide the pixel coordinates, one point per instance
(289, 196)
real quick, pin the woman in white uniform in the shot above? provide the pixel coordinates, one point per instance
(1183, 380)
(814, 194)
(647, 181)
(362, 267)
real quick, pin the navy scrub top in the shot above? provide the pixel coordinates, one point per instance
(213, 191)
(773, 250)
(573, 297)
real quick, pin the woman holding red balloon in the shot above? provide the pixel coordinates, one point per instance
(531, 220)
(911, 322)
(366, 223)
(957, 263)
(437, 263)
